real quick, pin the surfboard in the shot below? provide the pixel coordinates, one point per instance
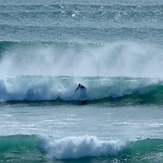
(84, 101)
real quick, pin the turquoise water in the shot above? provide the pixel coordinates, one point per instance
(113, 48)
(75, 133)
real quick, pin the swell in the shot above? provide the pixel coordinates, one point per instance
(81, 15)
(80, 23)
(13, 45)
(84, 2)
(41, 15)
(20, 148)
(17, 142)
(82, 34)
(58, 8)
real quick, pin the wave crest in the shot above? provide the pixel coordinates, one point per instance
(37, 146)
(77, 147)
(114, 90)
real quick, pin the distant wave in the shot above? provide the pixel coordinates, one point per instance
(61, 89)
(78, 147)
(77, 21)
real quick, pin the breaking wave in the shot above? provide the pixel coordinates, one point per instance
(77, 147)
(116, 90)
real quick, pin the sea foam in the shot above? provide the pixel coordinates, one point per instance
(84, 146)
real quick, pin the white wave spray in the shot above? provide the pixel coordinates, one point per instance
(77, 147)
(114, 59)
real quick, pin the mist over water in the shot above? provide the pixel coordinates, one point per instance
(112, 59)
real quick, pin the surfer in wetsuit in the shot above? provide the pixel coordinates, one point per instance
(82, 93)
(81, 87)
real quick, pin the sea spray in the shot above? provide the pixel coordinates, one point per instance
(77, 147)
(112, 59)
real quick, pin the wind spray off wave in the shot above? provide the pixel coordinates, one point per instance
(113, 59)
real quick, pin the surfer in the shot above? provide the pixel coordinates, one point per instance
(81, 87)
(82, 93)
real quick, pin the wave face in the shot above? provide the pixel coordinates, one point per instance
(86, 148)
(114, 90)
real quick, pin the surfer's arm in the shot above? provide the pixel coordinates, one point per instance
(77, 88)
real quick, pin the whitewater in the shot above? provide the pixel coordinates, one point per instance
(113, 48)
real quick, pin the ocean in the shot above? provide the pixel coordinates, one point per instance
(114, 48)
